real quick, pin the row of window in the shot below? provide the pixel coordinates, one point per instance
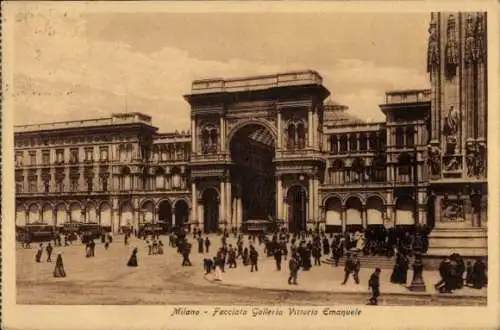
(160, 182)
(344, 143)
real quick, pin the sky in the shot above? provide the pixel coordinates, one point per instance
(80, 65)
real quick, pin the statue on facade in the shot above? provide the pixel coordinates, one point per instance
(471, 160)
(480, 42)
(452, 210)
(451, 164)
(451, 50)
(480, 165)
(452, 121)
(433, 47)
(434, 160)
(469, 48)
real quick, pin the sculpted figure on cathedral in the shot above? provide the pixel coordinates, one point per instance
(434, 160)
(452, 210)
(452, 52)
(433, 47)
(451, 164)
(452, 121)
(480, 36)
(469, 50)
(471, 160)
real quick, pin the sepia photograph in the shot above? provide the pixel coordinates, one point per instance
(236, 159)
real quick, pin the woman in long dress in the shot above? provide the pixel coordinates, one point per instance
(39, 252)
(397, 272)
(59, 269)
(132, 262)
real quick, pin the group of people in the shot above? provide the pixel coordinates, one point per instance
(456, 273)
(59, 268)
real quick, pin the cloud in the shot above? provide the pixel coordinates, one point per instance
(62, 74)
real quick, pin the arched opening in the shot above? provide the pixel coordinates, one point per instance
(125, 182)
(34, 214)
(375, 211)
(476, 210)
(404, 168)
(301, 134)
(127, 216)
(410, 136)
(160, 178)
(165, 213)
(105, 216)
(148, 209)
(47, 215)
(20, 216)
(297, 209)
(333, 216)
(210, 198)
(75, 212)
(176, 178)
(181, 212)
(431, 212)
(405, 207)
(61, 214)
(353, 214)
(334, 147)
(91, 213)
(252, 151)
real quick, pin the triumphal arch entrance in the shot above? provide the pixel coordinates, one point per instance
(256, 151)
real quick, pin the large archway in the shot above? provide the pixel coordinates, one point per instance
(333, 216)
(165, 213)
(354, 217)
(105, 216)
(252, 150)
(61, 214)
(210, 199)
(297, 209)
(20, 216)
(127, 215)
(181, 212)
(405, 207)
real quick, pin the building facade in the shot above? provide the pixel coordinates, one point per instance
(274, 147)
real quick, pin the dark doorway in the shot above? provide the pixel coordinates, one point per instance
(181, 212)
(431, 212)
(297, 210)
(165, 213)
(210, 199)
(476, 210)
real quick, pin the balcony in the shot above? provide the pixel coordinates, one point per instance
(408, 96)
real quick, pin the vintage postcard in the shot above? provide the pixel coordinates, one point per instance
(250, 165)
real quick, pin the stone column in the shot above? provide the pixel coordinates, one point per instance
(200, 215)
(309, 128)
(364, 217)
(222, 204)
(310, 200)
(279, 197)
(222, 134)
(240, 212)
(280, 131)
(228, 201)
(194, 204)
(193, 136)
(343, 218)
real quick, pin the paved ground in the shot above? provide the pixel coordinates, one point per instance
(105, 279)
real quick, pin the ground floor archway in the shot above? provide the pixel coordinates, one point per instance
(148, 209)
(405, 208)
(105, 216)
(127, 216)
(47, 215)
(165, 213)
(75, 212)
(91, 214)
(297, 209)
(333, 215)
(181, 212)
(374, 211)
(210, 199)
(20, 216)
(61, 214)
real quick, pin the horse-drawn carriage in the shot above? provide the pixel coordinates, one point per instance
(35, 232)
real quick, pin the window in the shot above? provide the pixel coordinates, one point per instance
(89, 184)
(45, 157)
(343, 144)
(60, 156)
(373, 142)
(336, 172)
(362, 142)
(60, 185)
(32, 157)
(46, 186)
(404, 168)
(291, 137)
(19, 187)
(353, 143)
(399, 137)
(73, 155)
(379, 169)
(89, 154)
(32, 185)
(104, 184)
(74, 184)
(334, 144)
(103, 154)
(410, 136)
(19, 158)
(301, 134)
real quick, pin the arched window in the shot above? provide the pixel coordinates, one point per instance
(291, 136)
(404, 168)
(337, 172)
(353, 143)
(334, 144)
(125, 182)
(410, 136)
(400, 138)
(205, 141)
(176, 178)
(343, 144)
(213, 139)
(160, 178)
(379, 169)
(301, 133)
(362, 142)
